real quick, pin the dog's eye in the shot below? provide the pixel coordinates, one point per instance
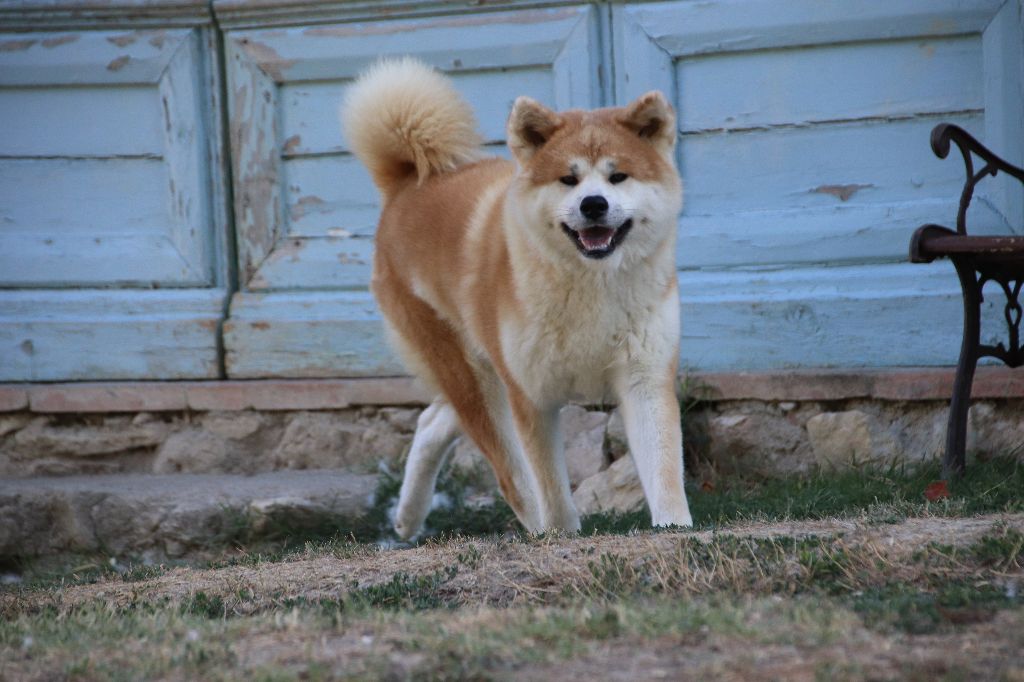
(616, 178)
(570, 180)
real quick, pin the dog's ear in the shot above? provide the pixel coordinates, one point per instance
(652, 118)
(530, 126)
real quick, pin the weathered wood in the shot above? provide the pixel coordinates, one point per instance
(63, 194)
(87, 58)
(306, 334)
(878, 315)
(122, 121)
(1003, 51)
(93, 14)
(304, 205)
(823, 83)
(110, 334)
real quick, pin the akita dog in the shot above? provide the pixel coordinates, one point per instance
(513, 288)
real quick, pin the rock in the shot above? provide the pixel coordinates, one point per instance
(754, 442)
(472, 466)
(233, 425)
(114, 435)
(616, 443)
(844, 438)
(584, 447)
(401, 418)
(380, 442)
(995, 430)
(197, 452)
(616, 489)
(317, 440)
(13, 422)
(285, 512)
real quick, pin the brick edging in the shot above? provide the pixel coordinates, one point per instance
(911, 384)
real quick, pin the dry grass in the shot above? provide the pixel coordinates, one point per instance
(799, 600)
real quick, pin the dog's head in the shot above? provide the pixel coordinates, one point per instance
(598, 184)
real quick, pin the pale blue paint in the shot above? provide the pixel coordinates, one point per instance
(111, 185)
(803, 144)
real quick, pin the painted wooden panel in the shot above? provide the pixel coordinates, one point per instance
(826, 83)
(871, 316)
(351, 206)
(66, 220)
(77, 335)
(111, 188)
(294, 176)
(804, 146)
(307, 334)
(122, 121)
(832, 317)
(306, 211)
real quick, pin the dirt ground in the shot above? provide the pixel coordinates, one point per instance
(758, 601)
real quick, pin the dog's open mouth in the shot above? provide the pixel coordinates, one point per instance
(598, 241)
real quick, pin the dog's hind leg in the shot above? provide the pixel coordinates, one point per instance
(436, 431)
(435, 351)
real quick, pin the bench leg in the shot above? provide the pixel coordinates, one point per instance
(956, 431)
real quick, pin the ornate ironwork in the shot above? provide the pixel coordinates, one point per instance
(942, 134)
(1011, 354)
(978, 260)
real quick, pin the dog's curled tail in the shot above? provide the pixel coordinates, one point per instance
(404, 119)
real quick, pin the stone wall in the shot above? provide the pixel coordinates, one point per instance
(753, 436)
(165, 470)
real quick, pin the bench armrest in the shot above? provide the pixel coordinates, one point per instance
(942, 135)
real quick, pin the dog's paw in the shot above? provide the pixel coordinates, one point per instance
(680, 518)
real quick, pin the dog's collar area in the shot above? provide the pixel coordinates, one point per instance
(594, 232)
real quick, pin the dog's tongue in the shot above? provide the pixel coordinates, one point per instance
(596, 237)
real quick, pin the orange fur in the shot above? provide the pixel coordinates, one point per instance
(493, 306)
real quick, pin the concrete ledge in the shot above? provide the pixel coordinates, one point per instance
(168, 515)
(911, 384)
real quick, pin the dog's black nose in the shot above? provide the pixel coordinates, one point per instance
(594, 206)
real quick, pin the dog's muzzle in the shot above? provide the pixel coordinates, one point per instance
(598, 241)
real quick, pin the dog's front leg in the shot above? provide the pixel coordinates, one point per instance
(650, 412)
(540, 433)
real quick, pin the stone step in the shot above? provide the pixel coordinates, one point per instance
(158, 516)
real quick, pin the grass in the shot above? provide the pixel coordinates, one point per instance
(479, 601)
(888, 495)
(885, 496)
(687, 599)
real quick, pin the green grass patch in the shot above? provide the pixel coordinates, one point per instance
(885, 496)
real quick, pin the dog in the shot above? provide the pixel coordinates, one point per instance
(512, 288)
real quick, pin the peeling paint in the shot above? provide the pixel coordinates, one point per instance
(290, 144)
(842, 192)
(338, 233)
(16, 45)
(118, 64)
(299, 209)
(267, 58)
(158, 40)
(123, 40)
(259, 325)
(59, 40)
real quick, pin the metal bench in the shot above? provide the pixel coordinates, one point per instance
(978, 260)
